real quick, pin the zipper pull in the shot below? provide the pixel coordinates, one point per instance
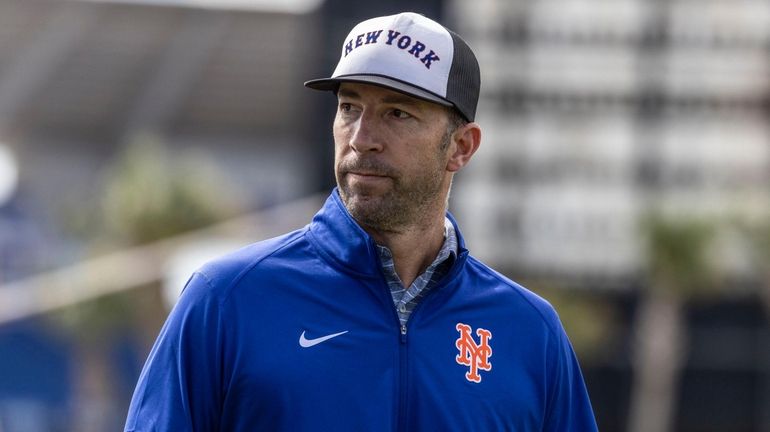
(403, 333)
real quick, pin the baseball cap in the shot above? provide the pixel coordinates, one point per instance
(411, 54)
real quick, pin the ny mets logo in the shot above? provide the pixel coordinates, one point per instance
(473, 355)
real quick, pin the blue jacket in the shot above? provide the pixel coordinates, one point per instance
(256, 343)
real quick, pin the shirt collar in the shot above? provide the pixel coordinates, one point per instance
(341, 241)
(448, 248)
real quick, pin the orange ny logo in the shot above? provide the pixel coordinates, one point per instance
(471, 354)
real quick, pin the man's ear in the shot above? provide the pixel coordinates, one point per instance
(465, 141)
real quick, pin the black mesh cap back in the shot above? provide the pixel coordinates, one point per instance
(464, 82)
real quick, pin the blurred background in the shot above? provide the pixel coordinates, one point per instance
(624, 175)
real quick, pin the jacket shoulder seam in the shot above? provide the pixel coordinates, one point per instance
(228, 288)
(518, 289)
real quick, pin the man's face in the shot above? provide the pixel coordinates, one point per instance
(390, 156)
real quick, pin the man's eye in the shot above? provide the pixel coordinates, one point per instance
(345, 107)
(397, 113)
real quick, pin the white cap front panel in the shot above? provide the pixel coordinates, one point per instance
(407, 47)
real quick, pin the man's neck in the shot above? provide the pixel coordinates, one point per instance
(413, 248)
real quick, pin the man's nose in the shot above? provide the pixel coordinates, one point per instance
(365, 136)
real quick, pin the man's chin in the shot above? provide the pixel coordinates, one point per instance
(368, 209)
(361, 199)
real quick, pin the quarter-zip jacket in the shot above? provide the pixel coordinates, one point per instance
(299, 333)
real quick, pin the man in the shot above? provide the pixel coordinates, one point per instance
(374, 317)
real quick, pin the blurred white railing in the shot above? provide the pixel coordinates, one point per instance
(130, 268)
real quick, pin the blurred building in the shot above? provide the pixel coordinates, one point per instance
(80, 80)
(597, 112)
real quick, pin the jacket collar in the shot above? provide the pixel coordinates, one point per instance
(342, 241)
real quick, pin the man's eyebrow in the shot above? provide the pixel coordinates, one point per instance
(348, 94)
(403, 100)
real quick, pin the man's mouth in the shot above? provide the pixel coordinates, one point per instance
(366, 177)
(366, 174)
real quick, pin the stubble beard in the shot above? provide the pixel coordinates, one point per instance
(401, 206)
(407, 202)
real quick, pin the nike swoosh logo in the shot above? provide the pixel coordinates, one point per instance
(307, 343)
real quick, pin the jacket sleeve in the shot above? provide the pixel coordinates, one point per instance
(179, 388)
(569, 408)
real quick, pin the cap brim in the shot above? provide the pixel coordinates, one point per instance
(331, 84)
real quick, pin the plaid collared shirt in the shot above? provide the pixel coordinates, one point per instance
(405, 299)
